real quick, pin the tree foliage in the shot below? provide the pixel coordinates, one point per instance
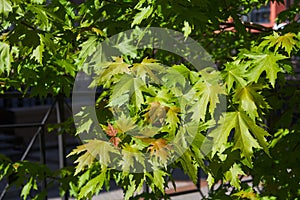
(44, 44)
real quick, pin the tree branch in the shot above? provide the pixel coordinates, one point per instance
(249, 25)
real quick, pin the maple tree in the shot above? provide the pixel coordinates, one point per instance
(156, 111)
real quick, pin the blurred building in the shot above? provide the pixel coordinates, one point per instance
(266, 15)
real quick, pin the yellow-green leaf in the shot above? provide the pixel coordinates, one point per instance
(234, 73)
(148, 67)
(94, 149)
(5, 7)
(93, 186)
(207, 95)
(243, 126)
(264, 62)
(233, 174)
(250, 100)
(286, 41)
(186, 29)
(5, 57)
(143, 14)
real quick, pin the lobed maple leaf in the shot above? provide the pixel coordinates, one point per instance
(159, 148)
(107, 70)
(173, 78)
(94, 149)
(234, 72)
(157, 179)
(249, 194)
(264, 62)
(250, 100)
(124, 123)
(148, 67)
(173, 117)
(233, 174)
(207, 91)
(156, 113)
(243, 126)
(130, 154)
(287, 42)
(127, 88)
(144, 13)
(84, 160)
(94, 185)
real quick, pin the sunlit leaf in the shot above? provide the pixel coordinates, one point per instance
(131, 87)
(94, 149)
(250, 100)
(143, 14)
(125, 124)
(233, 174)
(93, 186)
(264, 62)
(5, 7)
(208, 89)
(148, 67)
(234, 73)
(286, 41)
(5, 57)
(130, 155)
(243, 126)
(186, 29)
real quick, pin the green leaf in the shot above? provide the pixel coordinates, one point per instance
(5, 7)
(94, 149)
(38, 53)
(243, 140)
(87, 49)
(173, 78)
(233, 174)
(173, 117)
(128, 85)
(186, 29)
(189, 166)
(126, 47)
(125, 123)
(102, 150)
(130, 155)
(159, 180)
(84, 160)
(287, 42)
(143, 14)
(148, 67)
(250, 194)
(207, 94)
(84, 127)
(234, 72)
(243, 126)
(264, 62)
(250, 100)
(109, 69)
(37, 1)
(93, 186)
(5, 57)
(68, 66)
(27, 187)
(41, 18)
(130, 188)
(139, 4)
(257, 131)
(210, 180)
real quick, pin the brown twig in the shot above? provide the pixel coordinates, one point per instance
(249, 25)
